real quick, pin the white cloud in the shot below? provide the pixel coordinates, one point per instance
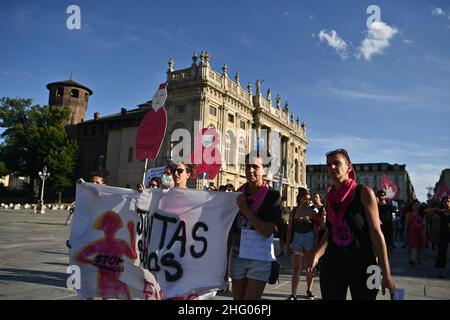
(334, 41)
(407, 41)
(370, 96)
(377, 40)
(437, 12)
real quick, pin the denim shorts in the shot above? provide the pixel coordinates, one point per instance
(249, 268)
(303, 241)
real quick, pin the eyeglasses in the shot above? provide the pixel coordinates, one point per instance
(177, 170)
(341, 151)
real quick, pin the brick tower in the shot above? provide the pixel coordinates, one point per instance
(72, 95)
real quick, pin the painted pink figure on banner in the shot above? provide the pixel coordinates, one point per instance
(109, 252)
(389, 187)
(151, 292)
(206, 153)
(152, 129)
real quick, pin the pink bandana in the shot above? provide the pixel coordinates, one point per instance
(256, 199)
(340, 199)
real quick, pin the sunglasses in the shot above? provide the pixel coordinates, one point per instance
(341, 151)
(178, 170)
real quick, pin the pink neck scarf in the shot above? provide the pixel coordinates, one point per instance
(340, 199)
(256, 199)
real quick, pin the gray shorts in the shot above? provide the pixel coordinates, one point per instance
(303, 241)
(249, 268)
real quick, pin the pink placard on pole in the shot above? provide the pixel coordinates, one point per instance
(152, 129)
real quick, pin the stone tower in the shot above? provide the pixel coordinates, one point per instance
(72, 95)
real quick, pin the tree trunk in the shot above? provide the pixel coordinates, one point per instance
(59, 197)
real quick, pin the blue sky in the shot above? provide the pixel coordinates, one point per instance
(381, 93)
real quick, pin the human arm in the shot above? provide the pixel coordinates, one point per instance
(318, 253)
(263, 227)
(372, 216)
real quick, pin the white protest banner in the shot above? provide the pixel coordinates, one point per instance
(103, 243)
(185, 243)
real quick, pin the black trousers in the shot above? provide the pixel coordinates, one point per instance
(342, 269)
(441, 259)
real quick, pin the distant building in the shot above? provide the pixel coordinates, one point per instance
(369, 174)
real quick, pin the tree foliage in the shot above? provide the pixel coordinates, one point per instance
(35, 136)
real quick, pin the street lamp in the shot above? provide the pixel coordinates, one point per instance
(43, 175)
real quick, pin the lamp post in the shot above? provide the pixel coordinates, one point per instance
(43, 175)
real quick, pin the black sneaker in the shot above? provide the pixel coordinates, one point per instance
(291, 297)
(309, 295)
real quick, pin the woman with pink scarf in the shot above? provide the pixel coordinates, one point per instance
(353, 239)
(252, 235)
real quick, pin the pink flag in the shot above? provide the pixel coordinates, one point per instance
(389, 187)
(442, 191)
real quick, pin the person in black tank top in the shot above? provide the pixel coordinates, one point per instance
(353, 238)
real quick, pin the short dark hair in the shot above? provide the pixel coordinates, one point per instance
(264, 155)
(381, 192)
(157, 180)
(190, 168)
(301, 193)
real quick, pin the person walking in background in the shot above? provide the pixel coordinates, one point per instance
(282, 227)
(353, 238)
(415, 232)
(444, 236)
(302, 245)
(387, 220)
(259, 214)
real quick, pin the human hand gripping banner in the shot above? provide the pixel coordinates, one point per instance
(119, 235)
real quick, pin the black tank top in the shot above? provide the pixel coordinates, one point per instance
(356, 220)
(303, 225)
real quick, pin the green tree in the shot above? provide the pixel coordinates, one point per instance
(35, 136)
(3, 169)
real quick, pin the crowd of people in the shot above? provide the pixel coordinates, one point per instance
(353, 229)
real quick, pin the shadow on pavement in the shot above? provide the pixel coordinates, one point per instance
(57, 279)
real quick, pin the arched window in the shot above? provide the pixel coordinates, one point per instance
(241, 151)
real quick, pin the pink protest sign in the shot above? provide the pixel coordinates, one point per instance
(152, 129)
(389, 187)
(206, 154)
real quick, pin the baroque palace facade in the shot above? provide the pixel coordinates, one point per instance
(197, 96)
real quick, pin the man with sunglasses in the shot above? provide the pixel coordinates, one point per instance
(353, 238)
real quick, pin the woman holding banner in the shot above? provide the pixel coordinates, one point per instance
(353, 238)
(255, 224)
